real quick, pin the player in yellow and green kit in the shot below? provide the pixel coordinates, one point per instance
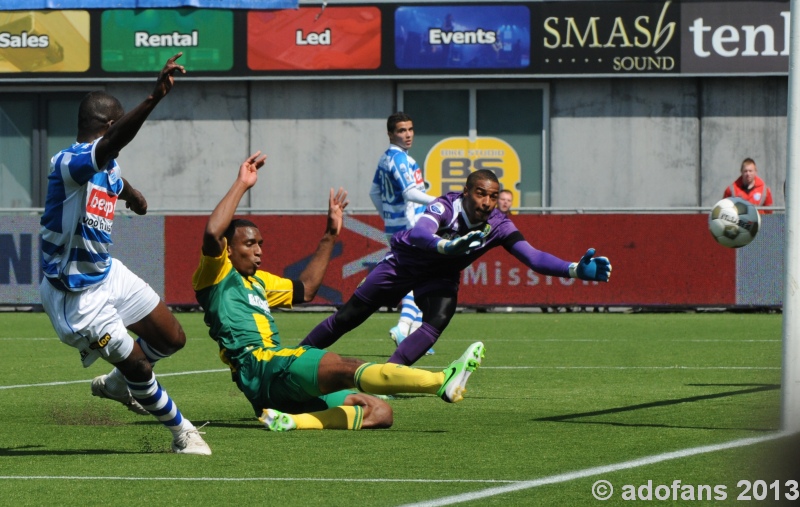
(301, 387)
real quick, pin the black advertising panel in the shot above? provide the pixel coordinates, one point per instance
(606, 38)
(735, 37)
(400, 40)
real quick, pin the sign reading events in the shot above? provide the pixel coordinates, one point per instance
(142, 40)
(462, 37)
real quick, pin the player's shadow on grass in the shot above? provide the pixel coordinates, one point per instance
(752, 388)
(35, 450)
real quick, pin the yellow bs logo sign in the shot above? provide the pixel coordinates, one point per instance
(451, 160)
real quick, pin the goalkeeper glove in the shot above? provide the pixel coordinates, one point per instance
(591, 268)
(460, 245)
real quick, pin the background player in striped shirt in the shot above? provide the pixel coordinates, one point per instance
(93, 300)
(398, 193)
(296, 387)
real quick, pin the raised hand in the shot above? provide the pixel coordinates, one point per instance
(336, 204)
(166, 77)
(248, 171)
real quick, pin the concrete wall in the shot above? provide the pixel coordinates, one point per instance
(650, 142)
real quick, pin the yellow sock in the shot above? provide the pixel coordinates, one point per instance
(336, 418)
(396, 378)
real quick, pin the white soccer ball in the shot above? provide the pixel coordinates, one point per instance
(734, 222)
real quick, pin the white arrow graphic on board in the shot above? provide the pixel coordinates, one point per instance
(366, 230)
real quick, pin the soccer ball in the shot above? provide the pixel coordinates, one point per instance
(734, 222)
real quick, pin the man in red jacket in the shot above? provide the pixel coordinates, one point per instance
(750, 187)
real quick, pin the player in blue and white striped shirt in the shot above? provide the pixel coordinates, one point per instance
(398, 193)
(93, 300)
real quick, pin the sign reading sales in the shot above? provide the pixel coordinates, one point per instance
(45, 41)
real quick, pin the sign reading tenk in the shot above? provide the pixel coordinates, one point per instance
(735, 37)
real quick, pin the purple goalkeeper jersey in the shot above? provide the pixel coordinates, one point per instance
(415, 249)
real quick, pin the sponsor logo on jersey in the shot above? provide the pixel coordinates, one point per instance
(437, 208)
(418, 177)
(258, 302)
(101, 204)
(101, 342)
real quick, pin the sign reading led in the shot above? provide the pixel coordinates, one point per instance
(310, 38)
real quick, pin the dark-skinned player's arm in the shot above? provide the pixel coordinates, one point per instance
(312, 275)
(122, 131)
(213, 236)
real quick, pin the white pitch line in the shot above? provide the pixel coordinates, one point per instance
(175, 374)
(589, 472)
(510, 487)
(244, 479)
(45, 384)
(630, 367)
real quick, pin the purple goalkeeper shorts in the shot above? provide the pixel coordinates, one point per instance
(388, 283)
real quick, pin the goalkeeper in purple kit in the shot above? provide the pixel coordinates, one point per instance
(455, 230)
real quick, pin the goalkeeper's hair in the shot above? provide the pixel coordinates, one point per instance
(480, 175)
(235, 224)
(393, 120)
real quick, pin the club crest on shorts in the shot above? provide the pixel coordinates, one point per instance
(101, 342)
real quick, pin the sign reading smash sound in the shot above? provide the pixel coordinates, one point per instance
(451, 160)
(607, 38)
(53, 41)
(139, 40)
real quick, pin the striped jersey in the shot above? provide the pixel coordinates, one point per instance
(396, 172)
(78, 217)
(237, 308)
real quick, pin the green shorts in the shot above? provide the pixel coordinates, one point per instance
(286, 380)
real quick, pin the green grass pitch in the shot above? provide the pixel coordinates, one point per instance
(557, 394)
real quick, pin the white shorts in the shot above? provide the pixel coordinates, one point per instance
(93, 320)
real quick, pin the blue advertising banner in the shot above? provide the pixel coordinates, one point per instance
(462, 37)
(26, 5)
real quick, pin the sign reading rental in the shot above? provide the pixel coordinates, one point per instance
(142, 40)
